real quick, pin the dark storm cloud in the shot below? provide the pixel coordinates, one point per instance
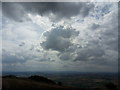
(59, 39)
(18, 11)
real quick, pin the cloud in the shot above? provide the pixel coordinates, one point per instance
(89, 53)
(31, 48)
(22, 44)
(19, 11)
(94, 26)
(97, 42)
(109, 33)
(11, 58)
(59, 38)
(46, 60)
(13, 11)
(67, 56)
(89, 44)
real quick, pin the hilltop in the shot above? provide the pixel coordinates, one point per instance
(11, 82)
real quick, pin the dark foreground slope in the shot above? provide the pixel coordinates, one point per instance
(41, 83)
(32, 83)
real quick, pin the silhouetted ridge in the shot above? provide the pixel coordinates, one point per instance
(9, 76)
(41, 79)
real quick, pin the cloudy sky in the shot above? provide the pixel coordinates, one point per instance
(60, 36)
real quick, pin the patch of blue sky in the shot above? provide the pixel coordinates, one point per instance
(101, 10)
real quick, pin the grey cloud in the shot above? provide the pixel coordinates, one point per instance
(38, 50)
(106, 39)
(17, 11)
(31, 48)
(66, 56)
(119, 15)
(22, 44)
(86, 9)
(9, 58)
(112, 44)
(90, 53)
(13, 11)
(105, 60)
(69, 54)
(94, 26)
(110, 35)
(59, 39)
(73, 47)
(46, 60)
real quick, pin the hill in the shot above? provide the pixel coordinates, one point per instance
(35, 82)
(32, 83)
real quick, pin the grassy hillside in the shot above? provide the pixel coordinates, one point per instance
(15, 83)
(42, 83)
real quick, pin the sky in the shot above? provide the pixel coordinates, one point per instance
(60, 36)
